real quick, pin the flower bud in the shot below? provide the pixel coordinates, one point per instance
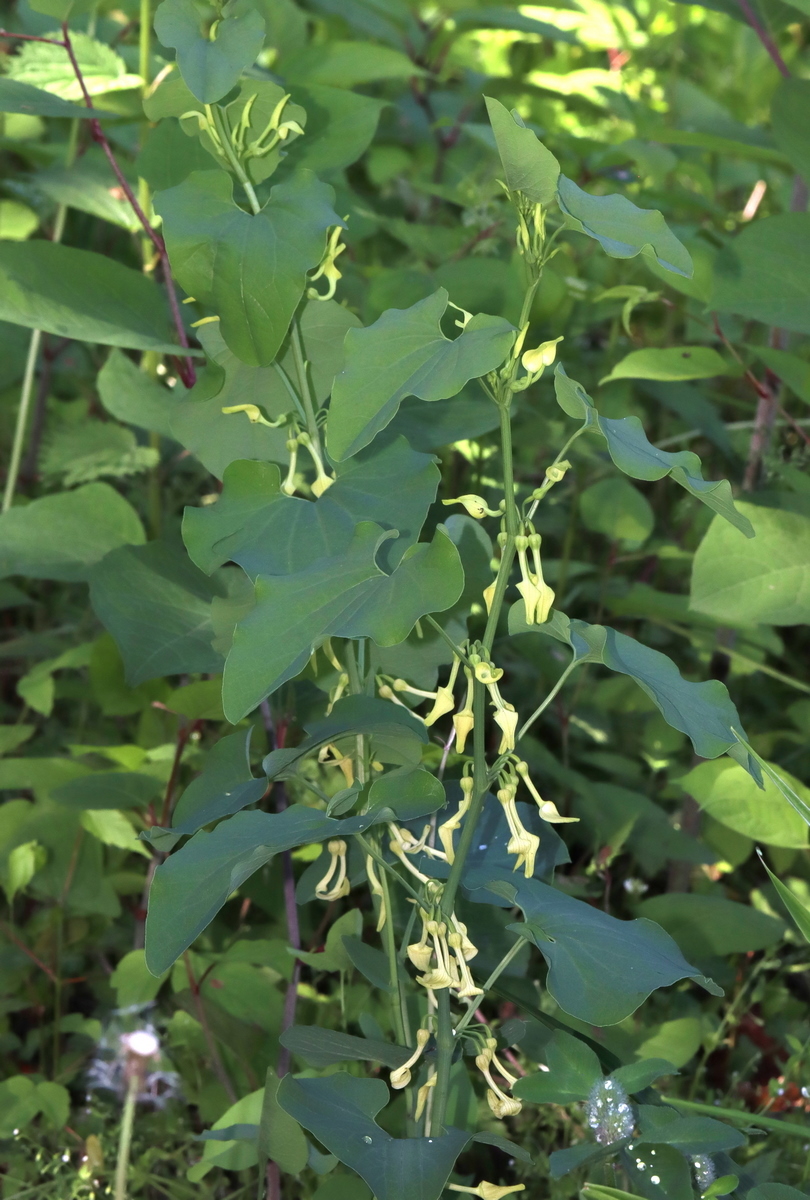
(557, 471)
(535, 361)
(506, 718)
(420, 955)
(463, 723)
(476, 506)
(489, 595)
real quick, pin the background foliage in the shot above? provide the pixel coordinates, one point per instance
(112, 703)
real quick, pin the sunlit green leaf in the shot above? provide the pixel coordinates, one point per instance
(210, 66)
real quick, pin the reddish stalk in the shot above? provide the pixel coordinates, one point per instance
(185, 369)
(30, 37)
(765, 38)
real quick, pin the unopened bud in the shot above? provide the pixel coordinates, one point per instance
(476, 506)
(537, 360)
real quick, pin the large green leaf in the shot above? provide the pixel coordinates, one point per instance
(573, 1069)
(18, 97)
(216, 438)
(64, 536)
(703, 711)
(764, 273)
(347, 64)
(711, 925)
(130, 395)
(267, 533)
(109, 789)
(180, 908)
(340, 127)
(402, 354)
(670, 363)
(599, 969)
(528, 166)
(249, 269)
(368, 715)
(789, 108)
(210, 66)
(340, 1110)
(661, 1125)
(45, 65)
(346, 595)
(225, 786)
(798, 911)
(767, 582)
(632, 453)
(157, 606)
(727, 793)
(81, 295)
(325, 1047)
(622, 229)
(85, 186)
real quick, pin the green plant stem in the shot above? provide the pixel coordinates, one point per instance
(372, 851)
(29, 375)
(735, 1117)
(541, 708)
(389, 938)
(494, 977)
(445, 1045)
(303, 387)
(26, 393)
(125, 1139)
(227, 147)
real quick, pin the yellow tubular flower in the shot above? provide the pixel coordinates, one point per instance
(376, 890)
(488, 1191)
(288, 486)
(489, 595)
(401, 1077)
(395, 847)
(341, 886)
(444, 703)
(453, 823)
(507, 720)
(464, 721)
(422, 1097)
(468, 990)
(503, 1106)
(522, 843)
(476, 506)
(535, 361)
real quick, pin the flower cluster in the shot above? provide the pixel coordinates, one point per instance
(442, 954)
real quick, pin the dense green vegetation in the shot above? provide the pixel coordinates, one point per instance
(405, 555)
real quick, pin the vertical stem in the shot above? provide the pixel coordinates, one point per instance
(389, 937)
(230, 154)
(445, 1045)
(22, 418)
(303, 386)
(125, 1139)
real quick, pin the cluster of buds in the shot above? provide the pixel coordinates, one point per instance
(538, 597)
(500, 1104)
(327, 269)
(275, 131)
(442, 954)
(534, 362)
(326, 889)
(609, 1112)
(531, 228)
(443, 700)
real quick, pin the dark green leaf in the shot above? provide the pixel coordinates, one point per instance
(18, 97)
(340, 127)
(528, 166)
(406, 794)
(632, 453)
(764, 273)
(573, 1069)
(157, 606)
(622, 229)
(109, 789)
(402, 354)
(132, 396)
(561, 1162)
(65, 535)
(179, 909)
(210, 67)
(249, 269)
(370, 962)
(340, 1110)
(168, 156)
(325, 1047)
(347, 596)
(704, 926)
(765, 583)
(637, 1076)
(691, 1135)
(789, 108)
(798, 911)
(81, 295)
(703, 711)
(600, 969)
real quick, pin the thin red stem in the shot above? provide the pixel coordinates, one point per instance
(186, 369)
(767, 41)
(30, 37)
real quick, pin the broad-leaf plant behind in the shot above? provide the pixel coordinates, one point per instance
(333, 512)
